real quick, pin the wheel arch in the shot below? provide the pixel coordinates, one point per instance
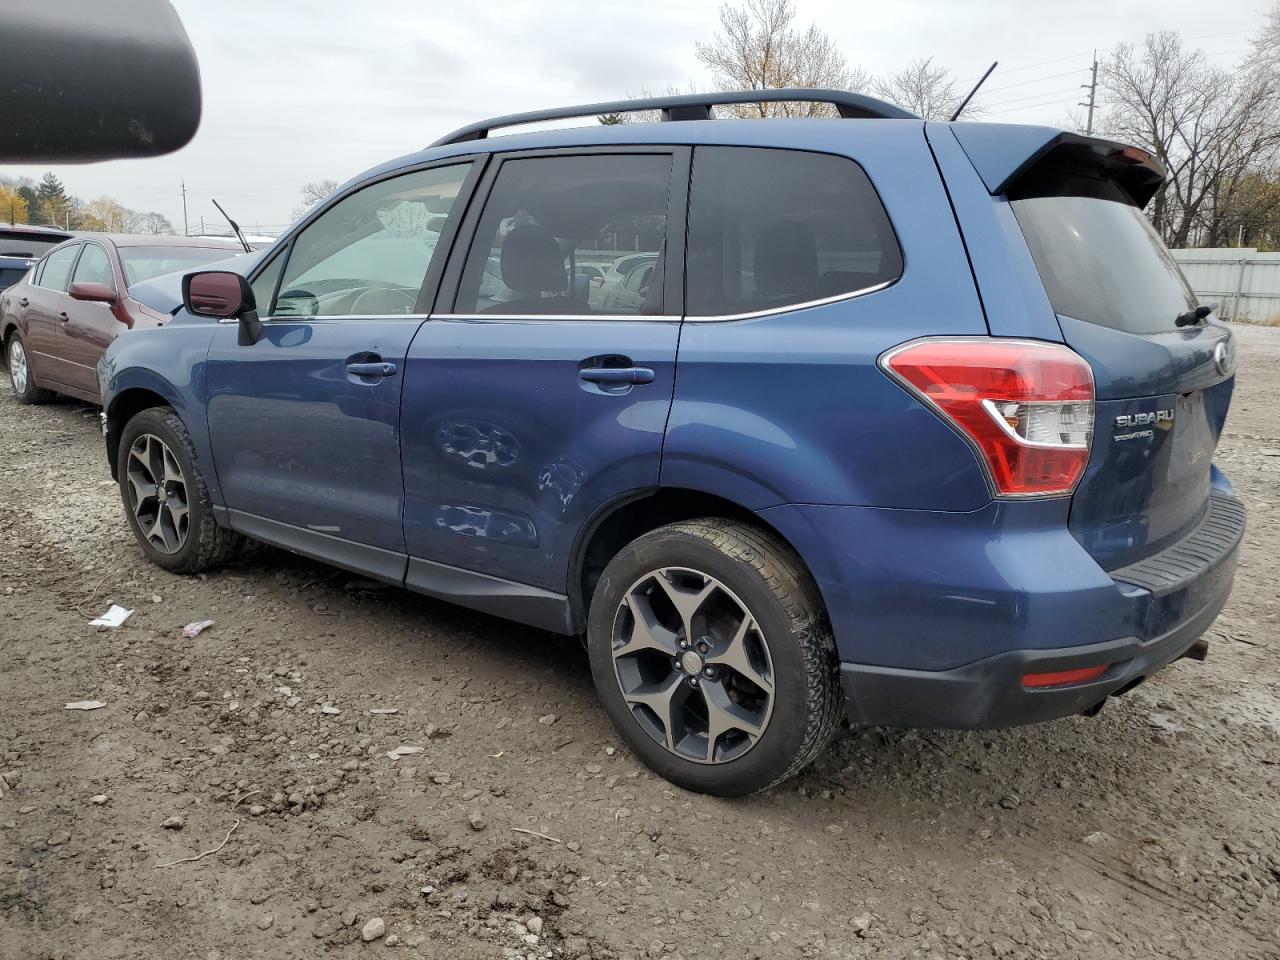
(9, 328)
(123, 407)
(632, 515)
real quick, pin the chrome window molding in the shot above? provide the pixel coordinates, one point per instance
(651, 317)
(788, 308)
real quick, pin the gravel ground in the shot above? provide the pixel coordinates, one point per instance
(523, 828)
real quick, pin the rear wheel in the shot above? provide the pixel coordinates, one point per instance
(20, 376)
(710, 650)
(165, 495)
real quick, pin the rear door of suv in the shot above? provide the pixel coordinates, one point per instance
(1162, 386)
(531, 401)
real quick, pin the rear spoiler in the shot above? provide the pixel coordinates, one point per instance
(1023, 161)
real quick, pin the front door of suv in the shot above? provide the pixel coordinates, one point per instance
(530, 402)
(305, 423)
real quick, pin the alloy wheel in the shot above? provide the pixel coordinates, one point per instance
(158, 493)
(18, 370)
(693, 665)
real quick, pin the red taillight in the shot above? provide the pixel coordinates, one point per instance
(1063, 678)
(1026, 406)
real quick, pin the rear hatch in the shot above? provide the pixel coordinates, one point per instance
(1162, 389)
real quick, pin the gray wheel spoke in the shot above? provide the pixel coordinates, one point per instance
(667, 701)
(735, 656)
(141, 488)
(724, 715)
(686, 601)
(646, 633)
(178, 511)
(169, 464)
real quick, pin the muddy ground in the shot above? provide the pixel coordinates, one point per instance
(1152, 830)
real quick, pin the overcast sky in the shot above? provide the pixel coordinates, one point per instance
(299, 90)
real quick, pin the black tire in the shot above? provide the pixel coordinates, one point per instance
(29, 392)
(769, 580)
(206, 545)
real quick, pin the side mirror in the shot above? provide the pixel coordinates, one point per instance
(91, 291)
(223, 295)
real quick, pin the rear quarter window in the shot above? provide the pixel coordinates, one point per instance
(1101, 261)
(769, 229)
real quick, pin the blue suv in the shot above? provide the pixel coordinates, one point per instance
(904, 421)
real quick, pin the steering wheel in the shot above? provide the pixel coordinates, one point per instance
(384, 300)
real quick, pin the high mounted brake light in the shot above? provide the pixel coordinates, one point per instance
(1025, 406)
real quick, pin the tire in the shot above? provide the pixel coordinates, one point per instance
(779, 672)
(18, 362)
(179, 544)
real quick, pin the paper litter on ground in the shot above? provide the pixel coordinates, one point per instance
(113, 617)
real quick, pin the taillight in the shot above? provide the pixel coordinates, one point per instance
(1026, 406)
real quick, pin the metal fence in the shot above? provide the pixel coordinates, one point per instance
(1244, 283)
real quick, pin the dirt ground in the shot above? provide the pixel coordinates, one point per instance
(1152, 830)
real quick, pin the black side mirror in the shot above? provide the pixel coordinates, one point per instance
(223, 295)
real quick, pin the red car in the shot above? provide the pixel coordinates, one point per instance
(58, 319)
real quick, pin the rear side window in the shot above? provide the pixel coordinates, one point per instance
(548, 217)
(19, 243)
(57, 268)
(1101, 261)
(95, 267)
(9, 276)
(770, 229)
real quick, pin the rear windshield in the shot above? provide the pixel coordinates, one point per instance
(144, 263)
(1101, 261)
(10, 275)
(18, 243)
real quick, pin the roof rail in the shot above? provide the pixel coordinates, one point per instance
(693, 106)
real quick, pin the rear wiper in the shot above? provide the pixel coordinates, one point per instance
(1192, 317)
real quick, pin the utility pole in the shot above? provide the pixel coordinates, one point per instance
(186, 232)
(1092, 87)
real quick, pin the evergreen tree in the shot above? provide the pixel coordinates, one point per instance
(52, 203)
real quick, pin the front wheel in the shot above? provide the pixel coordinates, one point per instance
(710, 650)
(165, 496)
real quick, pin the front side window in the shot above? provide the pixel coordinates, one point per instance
(368, 255)
(94, 267)
(772, 228)
(57, 268)
(555, 230)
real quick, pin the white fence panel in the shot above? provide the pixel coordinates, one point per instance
(1244, 283)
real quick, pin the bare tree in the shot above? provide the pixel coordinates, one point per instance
(925, 89)
(317, 190)
(1210, 127)
(154, 223)
(758, 47)
(312, 193)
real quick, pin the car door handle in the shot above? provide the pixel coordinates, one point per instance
(616, 375)
(379, 368)
(62, 315)
(23, 301)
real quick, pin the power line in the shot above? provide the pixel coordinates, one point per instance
(1031, 106)
(1031, 96)
(1023, 83)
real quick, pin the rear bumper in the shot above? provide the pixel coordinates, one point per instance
(989, 693)
(937, 617)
